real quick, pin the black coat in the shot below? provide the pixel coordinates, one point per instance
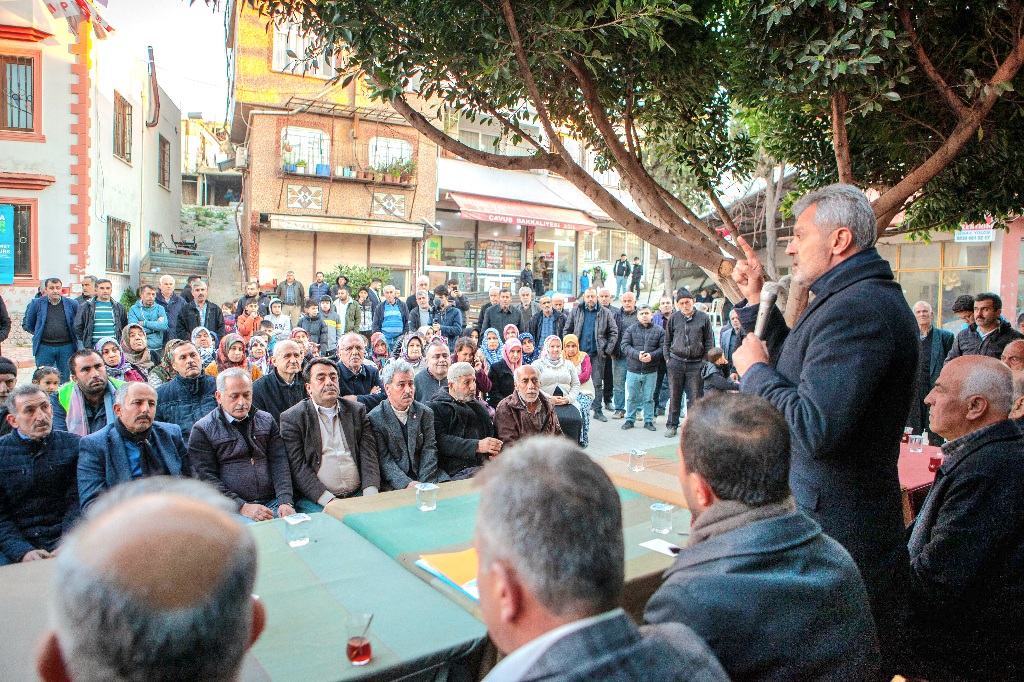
(558, 326)
(503, 383)
(5, 321)
(498, 318)
(638, 339)
(690, 339)
(262, 299)
(85, 321)
(844, 380)
(360, 385)
(188, 320)
(967, 557)
(969, 343)
(317, 330)
(459, 427)
(272, 395)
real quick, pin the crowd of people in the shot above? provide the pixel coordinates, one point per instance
(798, 566)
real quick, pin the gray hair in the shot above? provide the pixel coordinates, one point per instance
(992, 382)
(387, 374)
(1018, 386)
(459, 370)
(494, 290)
(525, 290)
(557, 297)
(200, 282)
(605, 290)
(841, 205)
(926, 303)
(537, 498)
(121, 394)
(519, 370)
(110, 634)
(23, 391)
(222, 377)
(167, 277)
(281, 345)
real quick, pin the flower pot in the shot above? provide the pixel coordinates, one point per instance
(301, 170)
(388, 177)
(406, 178)
(323, 169)
(289, 167)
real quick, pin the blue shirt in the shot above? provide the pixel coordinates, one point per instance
(392, 323)
(588, 337)
(547, 327)
(134, 458)
(289, 294)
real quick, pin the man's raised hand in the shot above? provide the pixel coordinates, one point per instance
(748, 273)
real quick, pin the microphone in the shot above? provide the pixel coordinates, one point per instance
(769, 294)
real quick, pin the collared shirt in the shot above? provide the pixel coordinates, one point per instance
(202, 314)
(983, 335)
(547, 326)
(517, 664)
(338, 471)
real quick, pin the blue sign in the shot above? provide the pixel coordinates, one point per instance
(6, 244)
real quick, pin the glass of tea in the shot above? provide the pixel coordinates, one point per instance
(935, 461)
(358, 647)
(661, 517)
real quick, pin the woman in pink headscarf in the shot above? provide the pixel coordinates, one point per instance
(502, 373)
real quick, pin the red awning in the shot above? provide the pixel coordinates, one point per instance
(511, 212)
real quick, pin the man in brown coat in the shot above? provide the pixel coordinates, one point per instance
(527, 412)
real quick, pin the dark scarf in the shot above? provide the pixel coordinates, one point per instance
(152, 465)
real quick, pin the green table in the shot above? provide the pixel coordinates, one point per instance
(417, 633)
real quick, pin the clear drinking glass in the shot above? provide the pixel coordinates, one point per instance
(426, 496)
(636, 460)
(358, 647)
(661, 517)
(916, 443)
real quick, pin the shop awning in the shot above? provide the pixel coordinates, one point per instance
(494, 210)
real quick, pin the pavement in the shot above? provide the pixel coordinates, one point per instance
(608, 439)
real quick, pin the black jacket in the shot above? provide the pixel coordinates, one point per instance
(184, 401)
(503, 383)
(317, 330)
(637, 272)
(969, 343)
(85, 320)
(38, 492)
(261, 298)
(361, 384)
(844, 379)
(690, 339)
(535, 322)
(247, 466)
(5, 321)
(498, 318)
(188, 320)
(272, 395)
(622, 268)
(638, 339)
(715, 378)
(623, 321)
(967, 557)
(459, 428)
(605, 329)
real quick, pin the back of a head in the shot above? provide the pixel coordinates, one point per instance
(155, 587)
(538, 500)
(739, 443)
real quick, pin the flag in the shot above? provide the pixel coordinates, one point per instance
(77, 11)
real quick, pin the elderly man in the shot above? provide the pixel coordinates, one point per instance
(548, 322)
(422, 284)
(88, 289)
(502, 314)
(731, 336)
(527, 412)
(50, 319)
(1017, 413)
(688, 338)
(1013, 355)
(462, 424)
(238, 449)
(419, 313)
(433, 377)
(132, 447)
(292, 295)
(158, 585)
(492, 300)
(551, 602)
(404, 429)
(199, 313)
(283, 388)
(8, 380)
(100, 316)
(391, 316)
(558, 302)
(751, 550)
(527, 307)
(625, 317)
(172, 303)
(967, 544)
(594, 326)
(329, 441)
(86, 403)
(189, 395)
(843, 377)
(153, 318)
(989, 334)
(358, 380)
(934, 347)
(253, 294)
(39, 485)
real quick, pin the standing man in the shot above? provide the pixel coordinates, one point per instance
(688, 339)
(422, 284)
(85, 404)
(420, 315)
(665, 309)
(391, 316)
(253, 293)
(636, 275)
(548, 322)
(173, 304)
(963, 308)
(492, 300)
(625, 317)
(100, 317)
(731, 337)
(935, 346)
(458, 299)
(50, 319)
(88, 289)
(527, 307)
(319, 288)
(446, 319)
(189, 395)
(594, 326)
(277, 391)
(989, 333)
(641, 347)
(526, 277)
(844, 379)
(604, 297)
(292, 295)
(498, 316)
(374, 292)
(199, 313)
(153, 318)
(349, 312)
(621, 271)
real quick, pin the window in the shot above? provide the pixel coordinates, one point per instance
(307, 145)
(387, 150)
(23, 241)
(164, 171)
(596, 246)
(938, 273)
(118, 235)
(17, 83)
(625, 242)
(290, 48)
(485, 142)
(122, 128)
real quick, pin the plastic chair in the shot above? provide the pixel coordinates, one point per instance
(716, 312)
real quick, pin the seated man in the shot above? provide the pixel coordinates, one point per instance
(462, 424)
(85, 404)
(189, 395)
(329, 441)
(527, 412)
(39, 484)
(967, 543)
(550, 601)
(359, 381)
(433, 377)
(773, 597)
(239, 450)
(404, 430)
(283, 388)
(8, 380)
(157, 586)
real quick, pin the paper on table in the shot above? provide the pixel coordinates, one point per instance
(292, 519)
(458, 569)
(662, 546)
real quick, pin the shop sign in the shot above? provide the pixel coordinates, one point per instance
(974, 232)
(374, 228)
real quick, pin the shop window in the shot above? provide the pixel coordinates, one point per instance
(118, 244)
(940, 272)
(23, 241)
(309, 145)
(388, 150)
(488, 142)
(164, 170)
(122, 128)
(290, 54)
(17, 83)
(454, 245)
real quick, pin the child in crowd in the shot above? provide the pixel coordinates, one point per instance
(228, 310)
(281, 324)
(117, 367)
(47, 378)
(249, 321)
(365, 312)
(314, 324)
(301, 337)
(334, 328)
(267, 332)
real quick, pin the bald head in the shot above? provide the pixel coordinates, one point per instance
(1013, 355)
(972, 392)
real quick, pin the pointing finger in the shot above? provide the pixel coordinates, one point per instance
(747, 251)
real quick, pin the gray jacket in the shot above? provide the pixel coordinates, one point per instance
(604, 328)
(527, 314)
(404, 459)
(640, 339)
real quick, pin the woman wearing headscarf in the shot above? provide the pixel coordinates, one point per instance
(502, 372)
(530, 350)
(571, 352)
(164, 372)
(308, 348)
(510, 331)
(412, 351)
(378, 352)
(205, 342)
(560, 381)
(230, 354)
(491, 346)
(135, 348)
(117, 366)
(259, 353)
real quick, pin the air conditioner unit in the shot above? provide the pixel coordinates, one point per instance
(242, 157)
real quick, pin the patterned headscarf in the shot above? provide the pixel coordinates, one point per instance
(165, 371)
(546, 357)
(208, 355)
(510, 345)
(380, 361)
(504, 331)
(118, 371)
(264, 362)
(492, 356)
(142, 360)
(222, 353)
(528, 358)
(418, 362)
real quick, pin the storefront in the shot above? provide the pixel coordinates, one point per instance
(554, 260)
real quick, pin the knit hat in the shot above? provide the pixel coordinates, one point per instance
(683, 293)
(8, 367)
(460, 369)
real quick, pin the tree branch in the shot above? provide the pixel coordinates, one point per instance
(840, 141)
(722, 213)
(690, 217)
(926, 65)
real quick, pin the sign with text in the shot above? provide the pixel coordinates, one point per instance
(6, 244)
(974, 233)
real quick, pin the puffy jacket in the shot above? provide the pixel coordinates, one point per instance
(640, 339)
(35, 319)
(459, 427)
(153, 319)
(689, 339)
(316, 328)
(246, 467)
(605, 329)
(38, 492)
(715, 379)
(184, 401)
(623, 321)
(968, 342)
(318, 291)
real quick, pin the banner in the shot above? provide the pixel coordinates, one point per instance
(6, 244)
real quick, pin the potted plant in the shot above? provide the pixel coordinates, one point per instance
(405, 170)
(300, 167)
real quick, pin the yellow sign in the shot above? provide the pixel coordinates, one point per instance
(374, 228)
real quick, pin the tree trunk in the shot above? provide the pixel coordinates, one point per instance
(840, 141)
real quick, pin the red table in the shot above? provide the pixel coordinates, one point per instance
(915, 479)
